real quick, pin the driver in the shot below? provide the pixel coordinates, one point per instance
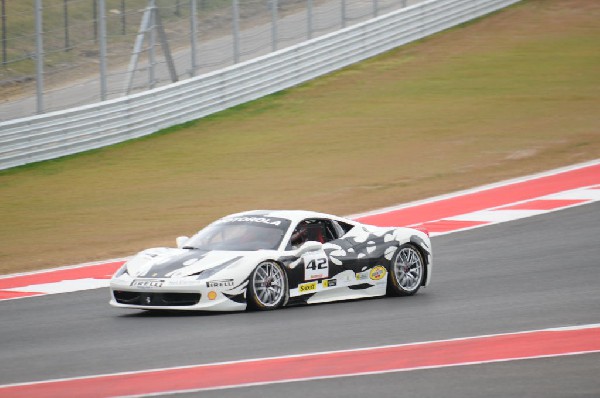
(299, 236)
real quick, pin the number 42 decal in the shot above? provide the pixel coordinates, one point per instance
(316, 266)
(317, 263)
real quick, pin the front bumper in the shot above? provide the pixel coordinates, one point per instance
(172, 295)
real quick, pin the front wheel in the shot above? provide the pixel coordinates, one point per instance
(268, 287)
(407, 271)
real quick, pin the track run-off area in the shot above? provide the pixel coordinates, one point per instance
(478, 207)
(514, 295)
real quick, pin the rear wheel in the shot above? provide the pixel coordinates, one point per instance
(407, 271)
(268, 286)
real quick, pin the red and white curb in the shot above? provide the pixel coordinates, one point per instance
(514, 211)
(59, 280)
(545, 343)
(487, 205)
(495, 203)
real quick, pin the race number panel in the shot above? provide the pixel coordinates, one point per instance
(316, 266)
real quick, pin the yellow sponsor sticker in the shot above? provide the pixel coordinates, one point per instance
(307, 287)
(329, 283)
(360, 277)
(377, 273)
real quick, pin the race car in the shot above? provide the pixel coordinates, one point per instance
(264, 260)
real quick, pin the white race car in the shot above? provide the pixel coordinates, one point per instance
(268, 259)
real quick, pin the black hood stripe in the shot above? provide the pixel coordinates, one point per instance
(211, 271)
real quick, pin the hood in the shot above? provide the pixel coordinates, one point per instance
(177, 263)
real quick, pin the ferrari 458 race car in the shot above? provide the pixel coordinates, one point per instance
(268, 259)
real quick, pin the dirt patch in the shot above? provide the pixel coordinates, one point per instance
(500, 97)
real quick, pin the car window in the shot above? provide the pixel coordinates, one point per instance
(312, 230)
(241, 233)
(345, 227)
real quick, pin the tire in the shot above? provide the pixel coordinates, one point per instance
(406, 271)
(268, 286)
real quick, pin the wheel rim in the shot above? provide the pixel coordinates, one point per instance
(268, 284)
(408, 268)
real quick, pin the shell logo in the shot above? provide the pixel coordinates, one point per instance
(377, 273)
(212, 295)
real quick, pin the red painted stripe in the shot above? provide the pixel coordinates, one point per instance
(4, 295)
(312, 366)
(98, 271)
(489, 198)
(544, 204)
(450, 225)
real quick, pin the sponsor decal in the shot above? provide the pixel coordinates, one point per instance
(212, 295)
(263, 220)
(377, 273)
(361, 276)
(307, 287)
(316, 266)
(329, 283)
(183, 282)
(220, 283)
(147, 282)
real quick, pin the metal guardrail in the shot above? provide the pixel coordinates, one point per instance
(61, 133)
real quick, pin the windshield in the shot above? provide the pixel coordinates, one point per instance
(240, 234)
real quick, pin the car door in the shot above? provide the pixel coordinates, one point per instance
(314, 265)
(346, 250)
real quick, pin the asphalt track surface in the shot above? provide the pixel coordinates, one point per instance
(534, 273)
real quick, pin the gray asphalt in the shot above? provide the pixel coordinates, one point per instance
(528, 274)
(548, 378)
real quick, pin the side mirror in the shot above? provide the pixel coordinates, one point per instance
(310, 246)
(181, 241)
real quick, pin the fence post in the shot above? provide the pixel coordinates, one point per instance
(375, 8)
(194, 29)
(95, 18)
(274, 17)
(236, 32)
(145, 25)
(343, 12)
(4, 40)
(66, 14)
(309, 22)
(39, 57)
(123, 22)
(152, 44)
(102, 38)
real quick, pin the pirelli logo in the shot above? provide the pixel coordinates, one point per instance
(307, 287)
(220, 283)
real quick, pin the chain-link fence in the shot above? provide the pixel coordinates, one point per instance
(57, 54)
